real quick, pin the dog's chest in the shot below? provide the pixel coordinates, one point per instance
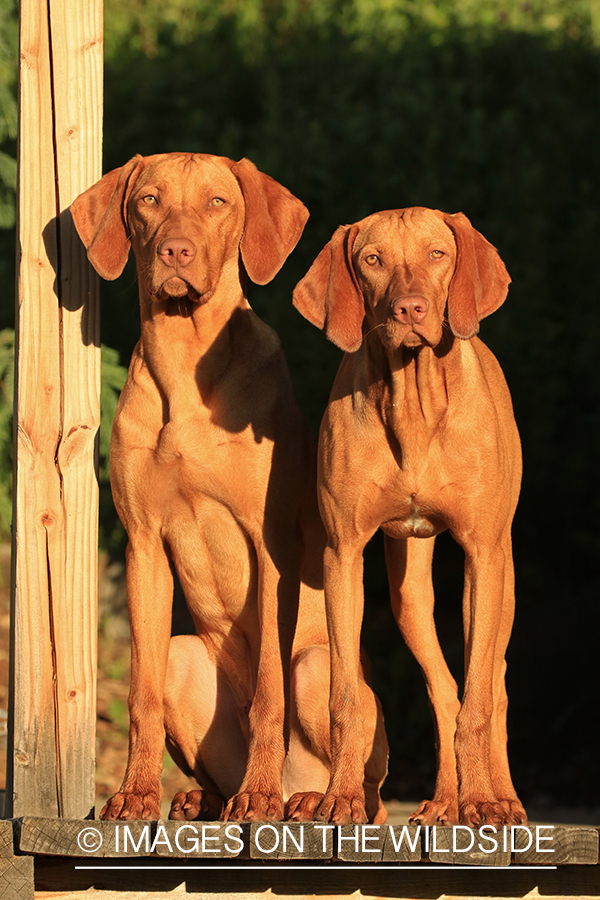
(411, 519)
(416, 498)
(197, 457)
(189, 441)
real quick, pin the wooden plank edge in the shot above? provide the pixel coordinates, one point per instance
(6, 839)
(324, 880)
(573, 845)
(17, 878)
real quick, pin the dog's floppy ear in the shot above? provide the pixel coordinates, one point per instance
(480, 281)
(275, 219)
(329, 295)
(99, 216)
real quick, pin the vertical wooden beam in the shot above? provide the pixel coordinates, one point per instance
(76, 27)
(36, 488)
(52, 715)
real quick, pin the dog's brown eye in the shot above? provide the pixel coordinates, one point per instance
(217, 201)
(150, 199)
(437, 254)
(372, 259)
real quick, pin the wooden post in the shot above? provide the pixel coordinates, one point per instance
(57, 416)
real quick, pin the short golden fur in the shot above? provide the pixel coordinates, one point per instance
(213, 471)
(419, 436)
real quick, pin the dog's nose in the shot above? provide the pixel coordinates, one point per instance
(176, 252)
(410, 310)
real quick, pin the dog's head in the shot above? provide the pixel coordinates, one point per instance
(403, 274)
(186, 215)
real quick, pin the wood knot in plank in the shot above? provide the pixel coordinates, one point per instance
(89, 45)
(78, 440)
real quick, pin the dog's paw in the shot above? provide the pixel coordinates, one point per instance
(488, 812)
(254, 807)
(515, 812)
(301, 806)
(129, 805)
(196, 806)
(435, 812)
(340, 810)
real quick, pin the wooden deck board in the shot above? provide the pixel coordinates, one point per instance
(267, 866)
(56, 876)
(221, 841)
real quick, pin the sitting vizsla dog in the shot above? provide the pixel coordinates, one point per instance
(213, 470)
(419, 437)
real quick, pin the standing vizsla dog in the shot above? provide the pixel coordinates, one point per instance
(212, 470)
(419, 437)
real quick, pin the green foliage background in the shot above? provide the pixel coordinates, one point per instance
(484, 106)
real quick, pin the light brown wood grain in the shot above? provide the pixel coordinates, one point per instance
(6, 839)
(557, 845)
(16, 878)
(77, 65)
(37, 523)
(57, 411)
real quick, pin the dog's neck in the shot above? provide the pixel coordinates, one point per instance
(413, 385)
(186, 345)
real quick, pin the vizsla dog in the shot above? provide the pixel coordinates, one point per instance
(419, 437)
(213, 471)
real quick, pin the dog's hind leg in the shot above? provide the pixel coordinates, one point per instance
(204, 734)
(307, 765)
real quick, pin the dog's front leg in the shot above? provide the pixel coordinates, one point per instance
(150, 600)
(499, 767)
(485, 575)
(409, 563)
(260, 796)
(344, 801)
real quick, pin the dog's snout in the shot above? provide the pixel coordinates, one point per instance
(177, 252)
(410, 310)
